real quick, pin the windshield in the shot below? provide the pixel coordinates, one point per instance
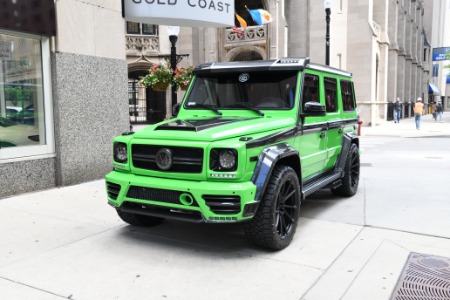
(243, 90)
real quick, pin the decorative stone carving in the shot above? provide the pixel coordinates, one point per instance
(146, 44)
(251, 34)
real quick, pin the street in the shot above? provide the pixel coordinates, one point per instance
(67, 243)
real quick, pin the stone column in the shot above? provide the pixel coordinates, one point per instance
(392, 33)
(299, 29)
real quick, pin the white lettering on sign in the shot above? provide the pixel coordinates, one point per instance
(189, 13)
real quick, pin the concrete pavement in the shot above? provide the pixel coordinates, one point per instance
(67, 243)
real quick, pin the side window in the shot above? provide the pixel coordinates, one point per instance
(310, 89)
(331, 94)
(348, 99)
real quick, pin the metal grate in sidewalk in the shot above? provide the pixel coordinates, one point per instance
(424, 277)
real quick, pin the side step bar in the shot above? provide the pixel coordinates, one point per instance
(321, 182)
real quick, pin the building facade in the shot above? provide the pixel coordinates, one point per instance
(70, 70)
(63, 79)
(386, 44)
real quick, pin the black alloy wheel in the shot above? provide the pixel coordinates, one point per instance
(275, 222)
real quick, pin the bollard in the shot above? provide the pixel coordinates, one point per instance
(359, 127)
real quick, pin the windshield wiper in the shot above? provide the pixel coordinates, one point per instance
(209, 107)
(242, 105)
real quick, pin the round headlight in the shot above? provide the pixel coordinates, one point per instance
(227, 159)
(120, 152)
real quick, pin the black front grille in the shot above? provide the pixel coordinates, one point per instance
(159, 195)
(185, 160)
(223, 204)
(113, 190)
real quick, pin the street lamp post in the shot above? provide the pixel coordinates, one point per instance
(173, 32)
(327, 5)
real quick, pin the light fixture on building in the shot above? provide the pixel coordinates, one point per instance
(173, 32)
(327, 5)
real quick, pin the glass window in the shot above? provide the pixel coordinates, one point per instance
(149, 29)
(348, 100)
(331, 94)
(310, 89)
(133, 28)
(23, 108)
(243, 90)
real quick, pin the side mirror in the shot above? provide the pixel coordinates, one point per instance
(314, 109)
(176, 109)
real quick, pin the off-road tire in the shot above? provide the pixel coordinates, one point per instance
(139, 220)
(350, 180)
(275, 221)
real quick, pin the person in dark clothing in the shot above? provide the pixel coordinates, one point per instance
(397, 110)
(439, 111)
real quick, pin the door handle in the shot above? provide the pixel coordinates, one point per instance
(340, 131)
(322, 135)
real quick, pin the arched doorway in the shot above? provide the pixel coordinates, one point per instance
(146, 106)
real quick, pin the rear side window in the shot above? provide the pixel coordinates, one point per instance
(348, 99)
(310, 89)
(331, 94)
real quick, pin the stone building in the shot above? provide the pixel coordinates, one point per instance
(63, 81)
(70, 69)
(384, 43)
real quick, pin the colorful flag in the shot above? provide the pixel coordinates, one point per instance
(260, 16)
(241, 21)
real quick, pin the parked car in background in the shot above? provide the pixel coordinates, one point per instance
(12, 111)
(25, 116)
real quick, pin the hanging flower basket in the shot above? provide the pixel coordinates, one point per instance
(159, 77)
(160, 86)
(184, 86)
(182, 77)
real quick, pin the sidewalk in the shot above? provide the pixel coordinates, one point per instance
(67, 243)
(407, 127)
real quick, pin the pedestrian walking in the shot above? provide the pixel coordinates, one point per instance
(439, 111)
(418, 112)
(433, 110)
(397, 110)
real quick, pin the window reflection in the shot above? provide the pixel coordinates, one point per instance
(21, 92)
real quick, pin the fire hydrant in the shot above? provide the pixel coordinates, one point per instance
(359, 127)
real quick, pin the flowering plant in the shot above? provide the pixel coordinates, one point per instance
(182, 77)
(157, 74)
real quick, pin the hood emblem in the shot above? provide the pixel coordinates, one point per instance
(164, 159)
(244, 77)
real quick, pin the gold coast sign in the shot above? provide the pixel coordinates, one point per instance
(188, 13)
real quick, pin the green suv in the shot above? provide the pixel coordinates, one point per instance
(248, 143)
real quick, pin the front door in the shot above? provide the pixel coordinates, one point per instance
(313, 142)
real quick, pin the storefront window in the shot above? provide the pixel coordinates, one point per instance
(23, 110)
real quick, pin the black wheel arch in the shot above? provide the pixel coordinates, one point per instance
(349, 138)
(269, 158)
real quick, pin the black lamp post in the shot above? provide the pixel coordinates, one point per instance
(173, 32)
(327, 5)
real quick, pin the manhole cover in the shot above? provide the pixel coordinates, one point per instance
(424, 277)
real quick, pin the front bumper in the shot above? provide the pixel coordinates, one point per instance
(196, 201)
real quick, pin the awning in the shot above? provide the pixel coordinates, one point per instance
(432, 89)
